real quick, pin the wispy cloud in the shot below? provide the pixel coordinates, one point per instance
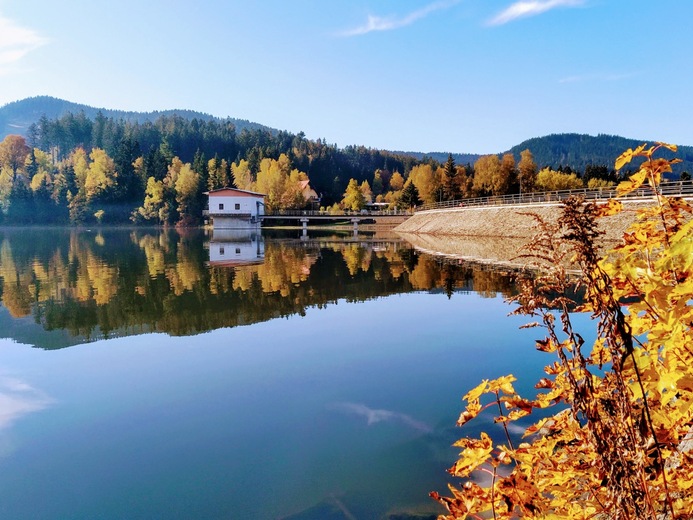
(15, 43)
(374, 416)
(525, 8)
(579, 78)
(389, 23)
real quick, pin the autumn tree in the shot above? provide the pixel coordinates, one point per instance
(526, 171)
(396, 181)
(100, 174)
(187, 190)
(551, 180)
(151, 209)
(353, 197)
(13, 154)
(367, 192)
(507, 181)
(242, 176)
(491, 176)
(281, 183)
(424, 178)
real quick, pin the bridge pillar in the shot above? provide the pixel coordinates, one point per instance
(355, 221)
(304, 224)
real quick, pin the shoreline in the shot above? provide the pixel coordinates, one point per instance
(497, 235)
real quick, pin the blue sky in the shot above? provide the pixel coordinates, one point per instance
(449, 75)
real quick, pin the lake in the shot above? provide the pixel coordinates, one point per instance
(152, 374)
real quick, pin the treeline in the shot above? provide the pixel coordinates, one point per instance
(490, 175)
(77, 170)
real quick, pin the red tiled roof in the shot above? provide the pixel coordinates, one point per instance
(233, 192)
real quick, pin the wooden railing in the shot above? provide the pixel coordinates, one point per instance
(673, 189)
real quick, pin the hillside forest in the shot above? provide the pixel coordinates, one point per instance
(77, 170)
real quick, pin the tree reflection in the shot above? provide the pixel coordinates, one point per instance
(128, 282)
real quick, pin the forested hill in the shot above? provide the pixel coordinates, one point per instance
(575, 151)
(18, 116)
(441, 157)
(580, 150)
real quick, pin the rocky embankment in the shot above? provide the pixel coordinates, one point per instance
(495, 234)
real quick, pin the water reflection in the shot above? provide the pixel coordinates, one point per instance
(124, 282)
(236, 247)
(349, 410)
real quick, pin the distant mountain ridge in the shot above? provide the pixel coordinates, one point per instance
(556, 150)
(580, 150)
(17, 117)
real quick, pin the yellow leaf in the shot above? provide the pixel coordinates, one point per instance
(476, 392)
(632, 184)
(612, 207)
(627, 156)
(671, 147)
(502, 383)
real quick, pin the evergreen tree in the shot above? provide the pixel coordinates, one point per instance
(450, 187)
(409, 197)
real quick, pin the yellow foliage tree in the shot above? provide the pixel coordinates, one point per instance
(551, 180)
(424, 178)
(396, 182)
(620, 443)
(100, 175)
(242, 176)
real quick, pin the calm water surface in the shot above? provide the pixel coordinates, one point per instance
(148, 374)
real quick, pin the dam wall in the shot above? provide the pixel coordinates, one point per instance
(511, 221)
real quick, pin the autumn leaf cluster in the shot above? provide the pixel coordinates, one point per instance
(616, 437)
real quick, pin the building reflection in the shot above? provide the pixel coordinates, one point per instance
(236, 247)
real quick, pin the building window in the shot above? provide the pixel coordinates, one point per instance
(221, 251)
(238, 250)
(221, 206)
(238, 206)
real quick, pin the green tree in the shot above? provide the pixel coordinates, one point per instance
(451, 186)
(377, 186)
(409, 196)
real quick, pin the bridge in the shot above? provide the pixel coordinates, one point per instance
(380, 217)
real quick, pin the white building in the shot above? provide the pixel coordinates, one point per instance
(231, 208)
